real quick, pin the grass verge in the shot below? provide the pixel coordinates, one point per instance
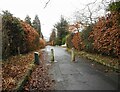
(107, 61)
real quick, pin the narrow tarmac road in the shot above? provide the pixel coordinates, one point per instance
(79, 75)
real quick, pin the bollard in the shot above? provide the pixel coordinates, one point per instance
(18, 50)
(52, 55)
(72, 55)
(36, 58)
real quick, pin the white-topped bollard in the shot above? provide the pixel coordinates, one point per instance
(72, 55)
(36, 58)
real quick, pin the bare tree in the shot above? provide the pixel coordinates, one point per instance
(90, 13)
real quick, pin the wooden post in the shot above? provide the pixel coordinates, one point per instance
(52, 55)
(36, 58)
(72, 55)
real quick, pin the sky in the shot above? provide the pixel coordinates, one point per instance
(48, 16)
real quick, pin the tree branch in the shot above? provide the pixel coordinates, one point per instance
(46, 4)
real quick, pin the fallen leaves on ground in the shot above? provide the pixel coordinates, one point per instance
(39, 80)
(14, 68)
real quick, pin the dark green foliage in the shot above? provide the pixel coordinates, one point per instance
(64, 40)
(114, 6)
(53, 37)
(69, 38)
(88, 46)
(17, 36)
(62, 30)
(58, 41)
(85, 38)
(28, 20)
(37, 25)
(12, 31)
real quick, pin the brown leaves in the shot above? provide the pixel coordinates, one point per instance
(106, 33)
(9, 83)
(13, 69)
(40, 79)
(30, 36)
(42, 43)
(77, 41)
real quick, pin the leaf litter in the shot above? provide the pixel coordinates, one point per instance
(15, 67)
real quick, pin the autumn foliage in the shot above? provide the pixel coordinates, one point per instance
(103, 38)
(31, 37)
(68, 40)
(13, 69)
(106, 34)
(42, 43)
(18, 36)
(77, 42)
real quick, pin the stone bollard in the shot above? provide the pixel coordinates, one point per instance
(36, 58)
(52, 55)
(72, 55)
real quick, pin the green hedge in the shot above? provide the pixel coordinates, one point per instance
(69, 40)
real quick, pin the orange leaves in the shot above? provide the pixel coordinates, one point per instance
(39, 80)
(103, 37)
(29, 31)
(13, 69)
(42, 43)
(31, 37)
(77, 41)
(106, 33)
(9, 83)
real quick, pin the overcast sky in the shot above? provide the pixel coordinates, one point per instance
(48, 16)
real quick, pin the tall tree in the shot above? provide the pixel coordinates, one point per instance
(28, 19)
(37, 25)
(62, 30)
(12, 34)
(53, 37)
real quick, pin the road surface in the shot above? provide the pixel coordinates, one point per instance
(79, 75)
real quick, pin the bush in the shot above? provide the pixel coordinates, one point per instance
(114, 6)
(17, 36)
(69, 40)
(42, 43)
(63, 40)
(106, 35)
(13, 35)
(58, 41)
(31, 37)
(86, 40)
(88, 47)
(77, 41)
